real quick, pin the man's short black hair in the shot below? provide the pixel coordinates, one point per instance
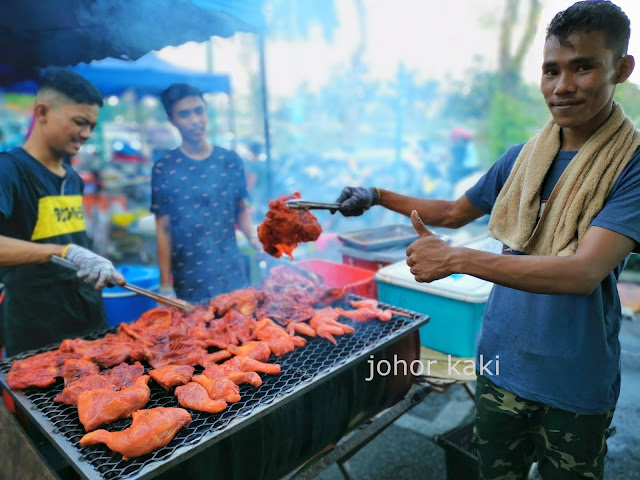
(176, 92)
(594, 15)
(73, 86)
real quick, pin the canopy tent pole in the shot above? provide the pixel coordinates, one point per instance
(265, 114)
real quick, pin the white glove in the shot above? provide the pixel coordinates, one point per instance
(93, 268)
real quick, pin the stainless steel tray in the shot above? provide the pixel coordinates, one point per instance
(377, 238)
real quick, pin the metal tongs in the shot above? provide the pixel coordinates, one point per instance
(161, 299)
(297, 204)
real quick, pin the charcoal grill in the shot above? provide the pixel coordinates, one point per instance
(302, 370)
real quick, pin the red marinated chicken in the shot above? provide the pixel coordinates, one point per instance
(115, 379)
(194, 396)
(219, 388)
(97, 407)
(368, 310)
(257, 350)
(150, 429)
(284, 227)
(169, 376)
(325, 323)
(39, 370)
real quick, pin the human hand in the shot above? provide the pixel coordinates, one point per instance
(429, 258)
(93, 268)
(357, 200)
(166, 290)
(256, 244)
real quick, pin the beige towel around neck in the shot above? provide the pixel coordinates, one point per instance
(577, 197)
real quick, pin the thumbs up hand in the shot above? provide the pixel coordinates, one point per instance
(429, 258)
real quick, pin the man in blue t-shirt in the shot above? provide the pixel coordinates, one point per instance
(198, 196)
(41, 216)
(565, 206)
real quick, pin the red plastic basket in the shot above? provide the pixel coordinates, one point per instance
(358, 281)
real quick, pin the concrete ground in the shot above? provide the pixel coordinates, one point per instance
(406, 451)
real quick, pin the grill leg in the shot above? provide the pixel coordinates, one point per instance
(345, 469)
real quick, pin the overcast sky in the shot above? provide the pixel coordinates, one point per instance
(439, 39)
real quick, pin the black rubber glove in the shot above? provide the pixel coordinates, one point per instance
(355, 201)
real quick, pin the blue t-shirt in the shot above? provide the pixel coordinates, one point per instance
(561, 350)
(201, 198)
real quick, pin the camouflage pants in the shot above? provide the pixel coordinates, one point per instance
(511, 432)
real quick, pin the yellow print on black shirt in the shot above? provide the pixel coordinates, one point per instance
(58, 215)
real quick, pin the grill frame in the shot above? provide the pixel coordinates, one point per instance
(297, 378)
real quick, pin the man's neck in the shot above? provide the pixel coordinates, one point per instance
(46, 157)
(197, 151)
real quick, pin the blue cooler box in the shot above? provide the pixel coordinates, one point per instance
(121, 305)
(454, 304)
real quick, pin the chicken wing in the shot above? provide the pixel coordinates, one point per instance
(325, 323)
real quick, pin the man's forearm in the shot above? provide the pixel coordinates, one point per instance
(246, 227)
(164, 250)
(535, 274)
(19, 252)
(435, 213)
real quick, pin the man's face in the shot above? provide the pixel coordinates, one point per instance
(190, 118)
(69, 125)
(579, 79)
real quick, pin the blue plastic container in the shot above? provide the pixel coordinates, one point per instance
(121, 305)
(455, 304)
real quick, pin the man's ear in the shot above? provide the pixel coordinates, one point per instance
(41, 112)
(625, 67)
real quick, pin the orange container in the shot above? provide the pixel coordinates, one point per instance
(356, 280)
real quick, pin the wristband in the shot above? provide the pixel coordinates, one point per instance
(379, 193)
(64, 250)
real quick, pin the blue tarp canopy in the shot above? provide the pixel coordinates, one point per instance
(147, 75)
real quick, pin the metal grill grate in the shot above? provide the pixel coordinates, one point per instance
(302, 370)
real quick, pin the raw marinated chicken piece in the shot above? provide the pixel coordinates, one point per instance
(108, 351)
(256, 350)
(245, 301)
(194, 396)
(219, 388)
(284, 310)
(116, 378)
(232, 374)
(38, 370)
(97, 407)
(72, 370)
(168, 376)
(279, 341)
(178, 351)
(368, 310)
(150, 430)
(325, 323)
(247, 364)
(232, 329)
(284, 227)
(215, 358)
(301, 328)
